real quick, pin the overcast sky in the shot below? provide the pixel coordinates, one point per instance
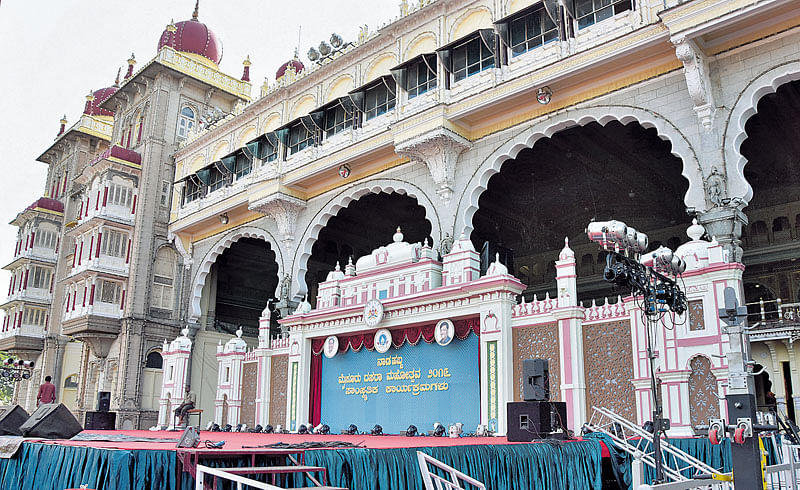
(52, 52)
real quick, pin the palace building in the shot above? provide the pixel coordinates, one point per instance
(196, 231)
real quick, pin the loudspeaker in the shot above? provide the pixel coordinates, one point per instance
(100, 420)
(10, 420)
(535, 380)
(528, 421)
(51, 421)
(103, 401)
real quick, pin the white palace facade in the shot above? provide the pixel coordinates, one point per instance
(252, 224)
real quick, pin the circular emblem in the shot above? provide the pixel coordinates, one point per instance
(344, 171)
(373, 312)
(543, 95)
(383, 340)
(331, 346)
(445, 330)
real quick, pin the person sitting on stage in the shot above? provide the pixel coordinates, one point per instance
(183, 408)
(47, 392)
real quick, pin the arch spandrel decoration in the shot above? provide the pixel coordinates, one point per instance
(199, 280)
(342, 200)
(744, 108)
(479, 182)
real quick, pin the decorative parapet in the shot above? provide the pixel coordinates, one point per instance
(188, 66)
(102, 127)
(535, 307)
(606, 311)
(280, 343)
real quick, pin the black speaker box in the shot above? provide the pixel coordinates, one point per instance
(528, 421)
(10, 420)
(536, 380)
(100, 420)
(51, 421)
(104, 401)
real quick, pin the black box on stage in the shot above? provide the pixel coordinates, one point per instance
(535, 380)
(100, 421)
(11, 418)
(104, 401)
(528, 421)
(51, 421)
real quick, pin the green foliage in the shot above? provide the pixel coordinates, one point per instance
(6, 384)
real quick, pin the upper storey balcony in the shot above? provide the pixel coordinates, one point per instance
(23, 328)
(39, 228)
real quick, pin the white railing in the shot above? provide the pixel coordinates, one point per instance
(240, 481)
(435, 482)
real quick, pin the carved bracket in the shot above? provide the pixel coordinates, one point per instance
(695, 70)
(285, 209)
(439, 151)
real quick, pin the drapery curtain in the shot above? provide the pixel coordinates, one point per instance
(315, 397)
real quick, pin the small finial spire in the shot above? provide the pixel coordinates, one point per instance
(246, 73)
(171, 27)
(196, 10)
(116, 80)
(131, 62)
(63, 125)
(90, 96)
(338, 267)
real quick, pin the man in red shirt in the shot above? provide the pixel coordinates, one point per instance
(47, 392)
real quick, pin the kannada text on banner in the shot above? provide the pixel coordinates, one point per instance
(415, 384)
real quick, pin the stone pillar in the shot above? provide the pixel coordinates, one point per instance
(229, 381)
(176, 355)
(264, 356)
(725, 224)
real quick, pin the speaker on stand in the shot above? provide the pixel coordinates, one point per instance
(51, 421)
(11, 418)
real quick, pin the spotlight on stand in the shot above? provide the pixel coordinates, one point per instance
(456, 430)
(209, 425)
(336, 41)
(483, 431)
(313, 54)
(324, 429)
(352, 429)
(324, 48)
(257, 428)
(279, 429)
(438, 429)
(376, 431)
(411, 431)
(227, 428)
(302, 429)
(238, 428)
(10, 361)
(215, 428)
(25, 364)
(269, 429)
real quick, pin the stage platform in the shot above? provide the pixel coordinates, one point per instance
(385, 462)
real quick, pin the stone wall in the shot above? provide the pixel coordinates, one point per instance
(537, 342)
(608, 365)
(277, 395)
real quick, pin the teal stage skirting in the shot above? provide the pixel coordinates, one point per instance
(566, 466)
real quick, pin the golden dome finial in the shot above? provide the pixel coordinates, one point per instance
(63, 119)
(132, 60)
(171, 26)
(116, 80)
(90, 97)
(246, 61)
(196, 9)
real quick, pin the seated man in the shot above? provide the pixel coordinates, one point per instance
(183, 408)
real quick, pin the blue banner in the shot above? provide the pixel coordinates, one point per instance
(415, 384)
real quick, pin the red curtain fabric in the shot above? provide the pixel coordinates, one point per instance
(315, 396)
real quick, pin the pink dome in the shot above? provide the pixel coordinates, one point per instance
(192, 36)
(93, 108)
(298, 67)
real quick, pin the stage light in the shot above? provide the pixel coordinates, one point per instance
(313, 54)
(411, 431)
(227, 428)
(325, 429)
(10, 361)
(269, 429)
(302, 429)
(352, 429)
(257, 428)
(456, 430)
(317, 429)
(336, 40)
(483, 431)
(324, 48)
(438, 429)
(376, 431)
(279, 429)
(648, 426)
(215, 427)
(26, 375)
(210, 426)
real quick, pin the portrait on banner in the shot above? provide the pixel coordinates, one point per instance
(444, 332)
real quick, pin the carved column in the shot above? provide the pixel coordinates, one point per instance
(439, 151)
(695, 69)
(724, 223)
(284, 209)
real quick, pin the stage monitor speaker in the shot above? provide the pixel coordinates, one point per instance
(51, 421)
(11, 418)
(104, 401)
(528, 421)
(489, 254)
(100, 421)
(536, 380)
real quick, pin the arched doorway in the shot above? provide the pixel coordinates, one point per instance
(241, 282)
(770, 241)
(553, 190)
(152, 377)
(364, 225)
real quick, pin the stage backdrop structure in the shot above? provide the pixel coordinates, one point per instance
(176, 356)
(402, 338)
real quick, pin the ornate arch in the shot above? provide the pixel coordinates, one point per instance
(211, 256)
(342, 200)
(695, 196)
(744, 108)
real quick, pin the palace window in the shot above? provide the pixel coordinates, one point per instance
(530, 31)
(217, 179)
(193, 190)
(154, 360)
(163, 280)
(114, 243)
(44, 238)
(120, 195)
(338, 117)
(300, 137)
(589, 12)
(34, 316)
(185, 122)
(471, 57)
(40, 277)
(421, 75)
(110, 292)
(379, 98)
(243, 166)
(165, 187)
